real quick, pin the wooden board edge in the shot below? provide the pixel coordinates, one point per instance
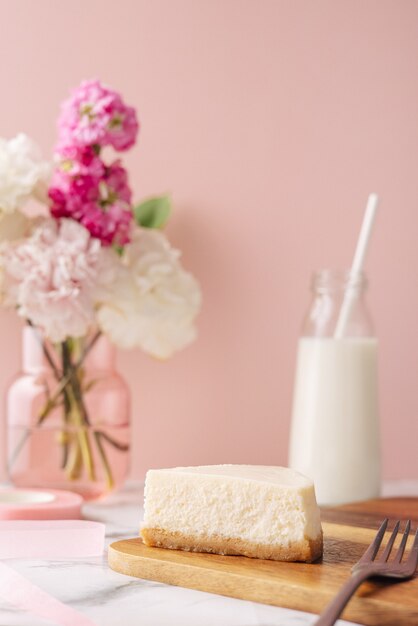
(365, 610)
(232, 585)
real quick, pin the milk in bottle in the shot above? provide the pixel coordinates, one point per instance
(335, 423)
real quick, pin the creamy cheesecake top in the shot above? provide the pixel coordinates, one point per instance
(273, 474)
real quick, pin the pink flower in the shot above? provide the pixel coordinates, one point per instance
(97, 115)
(83, 187)
(111, 226)
(51, 276)
(70, 195)
(116, 181)
(79, 161)
(99, 198)
(75, 181)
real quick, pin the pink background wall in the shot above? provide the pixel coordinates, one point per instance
(270, 122)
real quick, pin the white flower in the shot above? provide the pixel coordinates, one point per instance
(50, 277)
(23, 173)
(13, 226)
(151, 302)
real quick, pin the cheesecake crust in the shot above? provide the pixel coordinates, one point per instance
(307, 550)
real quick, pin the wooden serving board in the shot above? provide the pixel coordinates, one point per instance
(306, 587)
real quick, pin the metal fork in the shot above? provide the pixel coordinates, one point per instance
(368, 566)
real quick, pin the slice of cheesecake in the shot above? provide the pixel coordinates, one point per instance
(252, 510)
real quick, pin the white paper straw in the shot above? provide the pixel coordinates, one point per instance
(357, 265)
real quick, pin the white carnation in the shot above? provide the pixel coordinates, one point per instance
(23, 173)
(51, 276)
(13, 226)
(151, 301)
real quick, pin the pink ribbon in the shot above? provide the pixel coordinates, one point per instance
(55, 539)
(18, 590)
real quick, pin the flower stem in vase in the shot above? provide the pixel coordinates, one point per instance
(67, 406)
(78, 412)
(81, 429)
(64, 380)
(74, 462)
(123, 447)
(82, 417)
(106, 466)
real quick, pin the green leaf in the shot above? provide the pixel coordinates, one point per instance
(154, 212)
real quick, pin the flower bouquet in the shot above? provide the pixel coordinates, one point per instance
(89, 270)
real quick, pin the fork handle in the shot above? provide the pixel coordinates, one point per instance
(332, 612)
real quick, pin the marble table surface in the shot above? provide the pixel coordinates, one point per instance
(111, 599)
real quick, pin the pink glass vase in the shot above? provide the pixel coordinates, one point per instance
(68, 417)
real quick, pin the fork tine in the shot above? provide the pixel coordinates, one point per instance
(391, 541)
(413, 555)
(401, 548)
(375, 545)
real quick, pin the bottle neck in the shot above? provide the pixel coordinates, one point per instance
(37, 353)
(102, 355)
(337, 283)
(333, 291)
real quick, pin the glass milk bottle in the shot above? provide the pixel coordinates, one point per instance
(335, 422)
